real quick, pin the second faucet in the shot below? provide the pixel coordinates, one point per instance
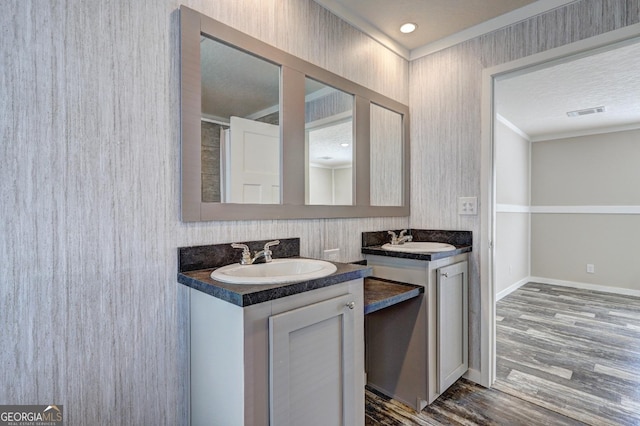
(397, 240)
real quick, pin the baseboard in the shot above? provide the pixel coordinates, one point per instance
(512, 288)
(586, 286)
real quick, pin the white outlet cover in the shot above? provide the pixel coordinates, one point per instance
(467, 205)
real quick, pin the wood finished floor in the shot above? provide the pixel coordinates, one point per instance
(564, 357)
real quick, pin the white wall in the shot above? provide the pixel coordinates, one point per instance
(332, 186)
(512, 242)
(342, 185)
(91, 315)
(320, 185)
(601, 170)
(593, 174)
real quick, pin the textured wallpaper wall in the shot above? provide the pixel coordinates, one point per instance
(91, 315)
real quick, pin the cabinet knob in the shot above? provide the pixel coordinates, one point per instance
(445, 274)
(351, 305)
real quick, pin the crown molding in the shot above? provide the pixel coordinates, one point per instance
(585, 132)
(509, 18)
(365, 26)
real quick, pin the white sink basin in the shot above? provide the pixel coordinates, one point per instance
(419, 247)
(278, 271)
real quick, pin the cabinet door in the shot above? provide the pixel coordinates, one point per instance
(453, 326)
(312, 364)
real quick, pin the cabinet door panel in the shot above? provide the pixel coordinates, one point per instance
(312, 364)
(452, 324)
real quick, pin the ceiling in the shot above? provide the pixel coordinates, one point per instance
(441, 23)
(535, 102)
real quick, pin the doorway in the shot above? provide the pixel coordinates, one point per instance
(490, 263)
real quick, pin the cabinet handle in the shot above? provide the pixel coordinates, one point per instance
(351, 305)
(445, 274)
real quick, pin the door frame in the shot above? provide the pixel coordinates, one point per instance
(582, 48)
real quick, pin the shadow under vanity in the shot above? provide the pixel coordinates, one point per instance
(294, 353)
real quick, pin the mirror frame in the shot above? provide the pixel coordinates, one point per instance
(292, 132)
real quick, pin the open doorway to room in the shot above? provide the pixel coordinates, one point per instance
(566, 155)
(564, 213)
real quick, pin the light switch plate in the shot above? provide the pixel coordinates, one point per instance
(467, 205)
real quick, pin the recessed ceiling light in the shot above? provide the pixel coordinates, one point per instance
(407, 28)
(344, 145)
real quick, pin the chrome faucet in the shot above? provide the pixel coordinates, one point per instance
(401, 239)
(265, 252)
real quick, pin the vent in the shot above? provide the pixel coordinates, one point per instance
(587, 111)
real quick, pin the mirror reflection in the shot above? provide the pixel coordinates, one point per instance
(240, 126)
(329, 145)
(386, 162)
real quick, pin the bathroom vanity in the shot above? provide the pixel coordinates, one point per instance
(293, 353)
(416, 349)
(280, 354)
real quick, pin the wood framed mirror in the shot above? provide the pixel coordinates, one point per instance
(267, 135)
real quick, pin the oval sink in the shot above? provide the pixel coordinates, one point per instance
(278, 271)
(419, 247)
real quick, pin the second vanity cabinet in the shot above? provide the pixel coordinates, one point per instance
(417, 349)
(289, 361)
(453, 324)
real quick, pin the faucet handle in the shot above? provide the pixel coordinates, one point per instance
(267, 250)
(394, 237)
(271, 244)
(246, 253)
(402, 237)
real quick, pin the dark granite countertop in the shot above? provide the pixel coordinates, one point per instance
(417, 256)
(246, 295)
(196, 263)
(381, 293)
(372, 243)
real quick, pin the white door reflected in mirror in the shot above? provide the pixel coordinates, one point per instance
(251, 162)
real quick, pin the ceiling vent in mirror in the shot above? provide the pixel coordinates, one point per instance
(587, 111)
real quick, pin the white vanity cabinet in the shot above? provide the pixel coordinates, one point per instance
(453, 323)
(289, 361)
(417, 349)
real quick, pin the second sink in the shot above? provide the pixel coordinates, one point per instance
(278, 271)
(419, 247)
